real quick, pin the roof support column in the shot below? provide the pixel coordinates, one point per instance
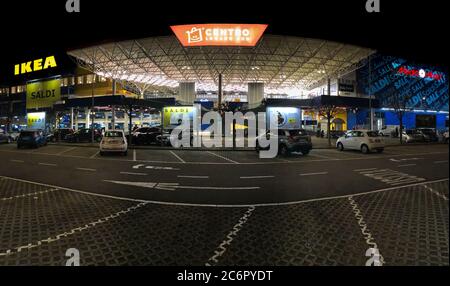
(186, 92)
(255, 93)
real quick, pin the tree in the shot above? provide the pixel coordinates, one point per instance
(399, 103)
(327, 111)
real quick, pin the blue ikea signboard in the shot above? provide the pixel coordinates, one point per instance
(426, 87)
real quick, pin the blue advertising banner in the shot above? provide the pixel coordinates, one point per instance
(426, 86)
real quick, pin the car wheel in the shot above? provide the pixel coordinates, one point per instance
(364, 149)
(284, 151)
(102, 153)
(340, 146)
(18, 146)
(305, 152)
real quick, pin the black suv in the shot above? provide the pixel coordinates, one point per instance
(289, 141)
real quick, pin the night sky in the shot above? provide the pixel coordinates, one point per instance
(417, 30)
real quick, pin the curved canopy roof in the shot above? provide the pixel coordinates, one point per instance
(281, 62)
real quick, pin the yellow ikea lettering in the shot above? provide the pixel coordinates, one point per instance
(36, 65)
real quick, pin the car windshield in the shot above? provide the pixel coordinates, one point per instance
(372, 133)
(297, 132)
(26, 133)
(113, 134)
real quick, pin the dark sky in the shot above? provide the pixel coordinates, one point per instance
(417, 30)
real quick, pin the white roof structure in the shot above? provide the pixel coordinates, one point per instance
(280, 62)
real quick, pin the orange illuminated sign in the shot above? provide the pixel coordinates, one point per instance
(219, 34)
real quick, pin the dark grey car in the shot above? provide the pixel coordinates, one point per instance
(289, 141)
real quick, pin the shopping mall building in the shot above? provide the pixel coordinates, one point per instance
(231, 66)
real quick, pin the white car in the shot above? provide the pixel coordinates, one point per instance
(114, 142)
(363, 140)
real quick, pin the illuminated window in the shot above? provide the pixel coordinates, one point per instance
(80, 79)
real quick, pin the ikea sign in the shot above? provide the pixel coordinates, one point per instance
(35, 65)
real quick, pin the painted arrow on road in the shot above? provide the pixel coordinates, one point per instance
(174, 186)
(403, 160)
(154, 167)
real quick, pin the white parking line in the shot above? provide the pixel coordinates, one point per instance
(93, 156)
(314, 174)
(257, 177)
(440, 162)
(361, 170)
(87, 169)
(178, 157)
(134, 154)
(217, 155)
(442, 196)
(406, 165)
(17, 161)
(47, 164)
(194, 177)
(133, 174)
(65, 151)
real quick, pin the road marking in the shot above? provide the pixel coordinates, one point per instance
(134, 154)
(257, 177)
(227, 205)
(248, 163)
(47, 164)
(222, 248)
(222, 157)
(407, 159)
(320, 156)
(87, 169)
(72, 231)
(93, 156)
(178, 157)
(391, 177)
(366, 232)
(314, 174)
(135, 174)
(17, 161)
(28, 195)
(362, 170)
(440, 162)
(65, 151)
(442, 196)
(194, 177)
(138, 166)
(406, 165)
(173, 186)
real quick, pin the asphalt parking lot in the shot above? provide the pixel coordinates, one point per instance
(181, 207)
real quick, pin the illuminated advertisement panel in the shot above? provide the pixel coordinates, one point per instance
(426, 86)
(219, 34)
(36, 120)
(286, 117)
(173, 115)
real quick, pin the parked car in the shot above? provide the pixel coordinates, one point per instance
(84, 135)
(289, 141)
(390, 130)
(363, 140)
(145, 135)
(31, 138)
(445, 137)
(114, 141)
(412, 135)
(5, 138)
(59, 134)
(429, 134)
(334, 134)
(164, 139)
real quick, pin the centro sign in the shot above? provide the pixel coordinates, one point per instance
(219, 34)
(36, 65)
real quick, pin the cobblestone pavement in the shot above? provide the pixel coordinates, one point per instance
(409, 226)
